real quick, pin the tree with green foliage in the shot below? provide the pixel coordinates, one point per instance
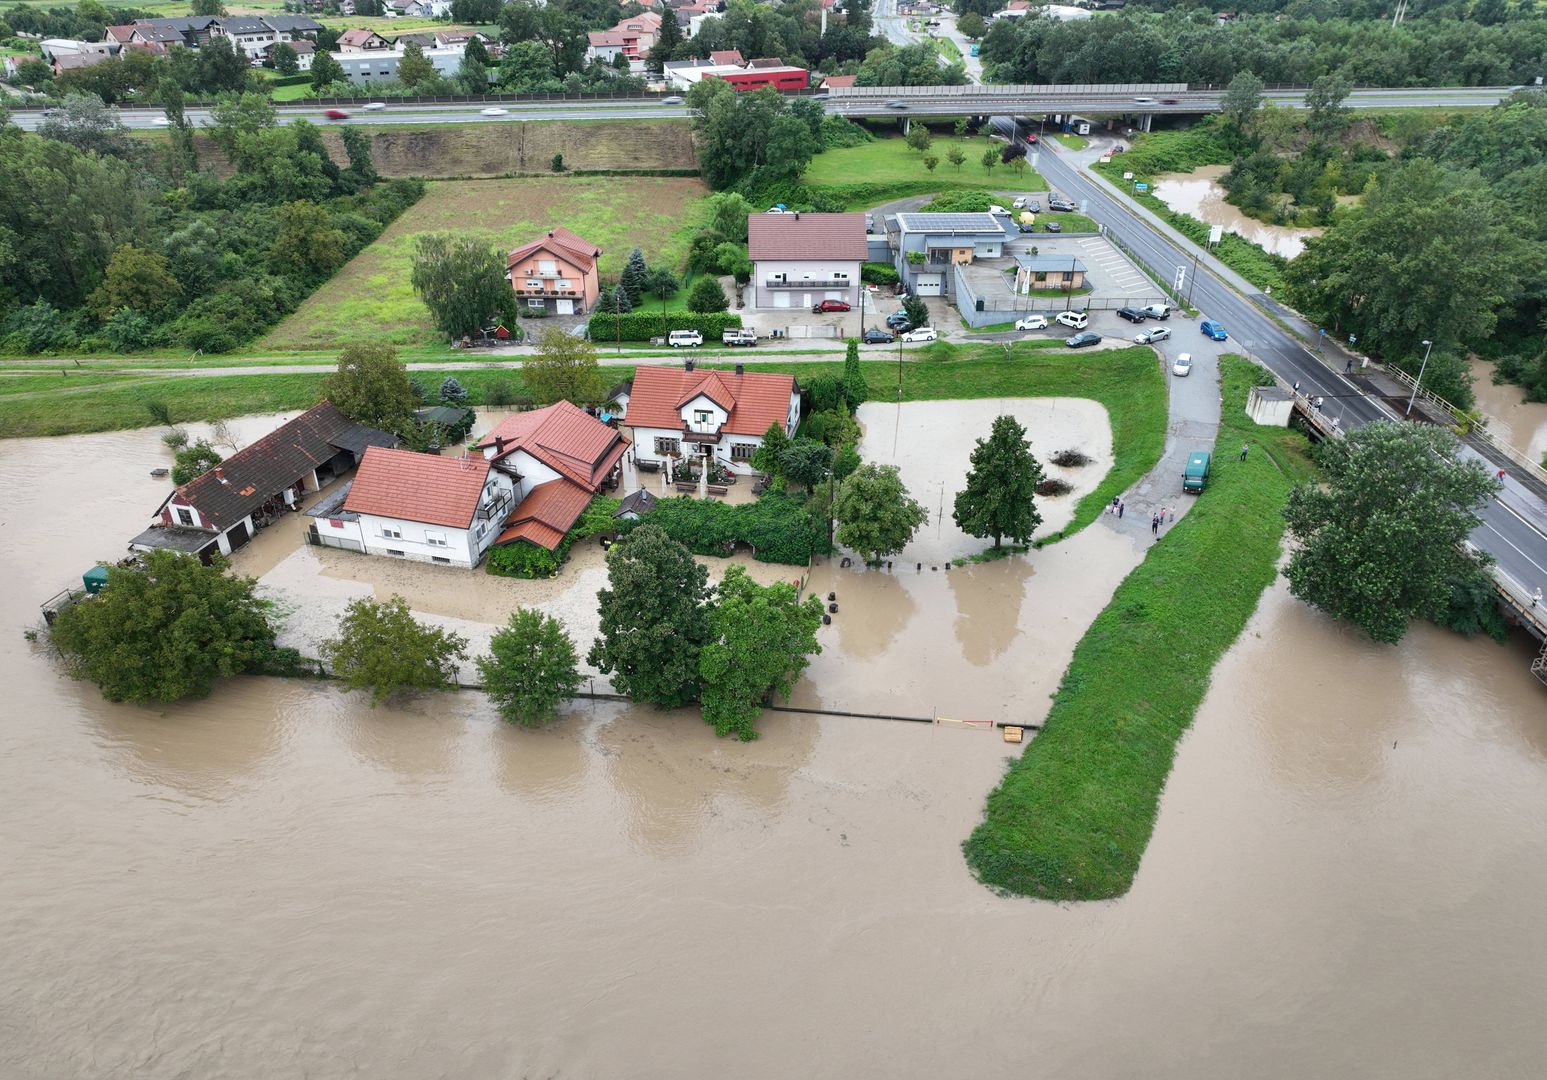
(876, 515)
(326, 71)
(564, 369)
(194, 461)
(414, 69)
(1241, 100)
(931, 162)
(748, 139)
(286, 62)
(370, 386)
(855, 392)
(1325, 114)
(1379, 536)
(165, 628)
(653, 619)
(916, 310)
(357, 145)
(452, 392)
(806, 461)
(707, 295)
(222, 66)
(475, 51)
(971, 25)
(83, 121)
(307, 239)
(667, 41)
(214, 8)
(761, 637)
(845, 461)
(635, 274)
(1000, 497)
(989, 159)
(728, 211)
(956, 156)
(766, 458)
(382, 648)
(137, 279)
(531, 668)
(918, 137)
(461, 279)
(615, 301)
(907, 65)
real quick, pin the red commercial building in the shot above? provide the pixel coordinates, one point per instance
(780, 78)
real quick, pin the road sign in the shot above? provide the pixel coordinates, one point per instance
(1352, 339)
(1181, 276)
(1215, 234)
(1127, 176)
(1140, 185)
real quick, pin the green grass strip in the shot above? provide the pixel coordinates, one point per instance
(1071, 819)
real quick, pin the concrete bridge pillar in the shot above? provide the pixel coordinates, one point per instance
(1148, 119)
(907, 122)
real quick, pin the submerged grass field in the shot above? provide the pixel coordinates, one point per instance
(371, 299)
(1071, 819)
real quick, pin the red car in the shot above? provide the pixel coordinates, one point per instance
(831, 305)
(335, 114)
(1031, 137)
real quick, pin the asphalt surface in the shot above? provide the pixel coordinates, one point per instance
(145, 119)
(1512, 528)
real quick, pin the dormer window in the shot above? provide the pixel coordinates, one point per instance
(702, 416)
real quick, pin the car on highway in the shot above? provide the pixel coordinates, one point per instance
(160, 121)
(921, 333)
(1032, 322)
(493, 110)
(1149, 337)
(1168, 101)
(375, 106)
(1079, 341)
(673, 100)
(1133, 315)
(1052, 226)
(822, 306)
(335, 114)
(1031, 138)
(897, 320)
(1146, 101)
(1078, 320)
(1182, 365)
(896, 104)
(1213, 330)
(1060, 204)
(877, 336)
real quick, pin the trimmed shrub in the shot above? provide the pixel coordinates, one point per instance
(644, 325)
(779, 529)
(874, 273)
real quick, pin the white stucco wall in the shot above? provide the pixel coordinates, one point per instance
(799, 272)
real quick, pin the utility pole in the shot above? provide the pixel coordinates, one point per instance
(1193, 284)
(1428, 347)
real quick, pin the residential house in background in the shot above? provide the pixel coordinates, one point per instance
(1047, 272)
(838, 82)
(377, 65)
(305, 52)
(943, 240)
(731, 57)
(683, 412)
(802, 259)
(556, 272)
(358, 41)
(631, 38)
(220, 510)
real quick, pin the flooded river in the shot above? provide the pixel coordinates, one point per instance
(1512, 420)
(282, 881)
(1199, 193)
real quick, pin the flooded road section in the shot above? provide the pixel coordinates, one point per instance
(1199, 194)
(1512, 420)
(282, 881)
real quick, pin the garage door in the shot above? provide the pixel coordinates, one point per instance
(781, 299)
(832, 296)
(566, 307)
(238, 535)
(930, 285)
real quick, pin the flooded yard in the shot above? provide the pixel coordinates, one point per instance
(283, 881)
(1199, 194)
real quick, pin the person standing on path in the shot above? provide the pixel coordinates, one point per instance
(1155, 525)
(1244, 448)
(1536, 598)
(1121, 506)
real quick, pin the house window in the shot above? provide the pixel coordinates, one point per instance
(743, 451)
(565, 283)
(335, 523)
(435, 539)
(536, 303)
(547, 267)
(702, 416)
(667, 446)
(184, 515)
(392, 532)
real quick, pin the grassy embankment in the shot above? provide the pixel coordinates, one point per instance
(1071, 819)
(1182, 151)
(887, 168)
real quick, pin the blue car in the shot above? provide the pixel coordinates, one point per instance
(1212, 329)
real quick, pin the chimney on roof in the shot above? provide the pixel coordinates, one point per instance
(220, 474)
(499, 445)
(741, 369)
(797, 215)
(687, 365)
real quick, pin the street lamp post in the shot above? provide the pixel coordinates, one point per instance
(1428, 348)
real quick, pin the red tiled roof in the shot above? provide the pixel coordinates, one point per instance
(418, 487)
(806, 236)
(833, 82)
(356, 37)
(562, 242)
(567, 439)
(726, 56)
(546, 514)
(758, 399)
(599, 39)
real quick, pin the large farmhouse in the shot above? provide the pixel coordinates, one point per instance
(676, 412)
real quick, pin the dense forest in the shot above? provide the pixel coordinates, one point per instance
(108, 242)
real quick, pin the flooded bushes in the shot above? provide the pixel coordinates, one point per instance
(778, 528)
(526, 560)
(1070, 459)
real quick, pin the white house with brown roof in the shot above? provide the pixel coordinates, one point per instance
(803, 259)
(355, 41)
(678, 412)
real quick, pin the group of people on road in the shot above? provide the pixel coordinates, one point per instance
(1165, 515)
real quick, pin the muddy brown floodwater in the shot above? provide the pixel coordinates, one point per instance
(1199, 193)
(1345, 878)
(1512, 419)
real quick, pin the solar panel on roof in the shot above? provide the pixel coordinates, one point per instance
(949, 222)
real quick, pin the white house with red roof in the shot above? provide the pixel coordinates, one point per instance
(529, 480)
(803, 259)
(678, 412)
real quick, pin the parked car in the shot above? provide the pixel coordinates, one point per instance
(1032, 322)
(1078, 320)
(739, 335)
(1213, 330)
(922, 333)
(1060, 204)
(673, 100)
(1052, 226)
(1182, 365)
(778, 208)
(1131, 314)
(897, 320)
(335, 114)
(493, 110)
(1026, 226)
(1035, 206)
(870, 223)
(1079, 341)
(375, 106)
(1019, 203)
(1195, 476)
(679, 338)
(822, 306)
(1157, 311)
(876, 336)
(1149, 337)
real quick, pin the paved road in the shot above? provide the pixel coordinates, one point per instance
(1514, 529)
(145, 119)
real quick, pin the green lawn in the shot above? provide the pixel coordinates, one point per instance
(371, 298)
(890, 163)
(290, 93)
(1071, 819)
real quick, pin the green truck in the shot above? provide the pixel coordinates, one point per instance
(1195, 476)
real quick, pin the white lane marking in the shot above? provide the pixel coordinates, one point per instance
(1512, 544)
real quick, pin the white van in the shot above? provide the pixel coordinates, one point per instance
(679, 338)
(1079, 320)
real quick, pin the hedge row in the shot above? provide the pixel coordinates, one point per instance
(779, 528)
(644, 325)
